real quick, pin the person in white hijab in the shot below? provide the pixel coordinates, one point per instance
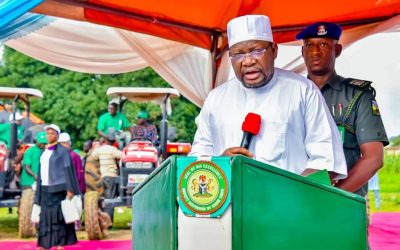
(297, 133)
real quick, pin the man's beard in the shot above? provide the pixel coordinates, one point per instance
(262, 84)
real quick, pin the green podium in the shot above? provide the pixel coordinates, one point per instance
(239, 203)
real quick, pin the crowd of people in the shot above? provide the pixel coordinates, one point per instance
(56, 172)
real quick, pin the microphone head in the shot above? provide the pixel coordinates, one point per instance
(252, 123)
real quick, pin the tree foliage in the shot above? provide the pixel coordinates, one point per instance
(395, 141)
(74, 101)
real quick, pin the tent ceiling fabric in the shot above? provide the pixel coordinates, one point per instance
(175, 25)
(193, 22)
(179, 41)
(80, 46)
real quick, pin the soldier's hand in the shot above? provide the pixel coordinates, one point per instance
(237, 151)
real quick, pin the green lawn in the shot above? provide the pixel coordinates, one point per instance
(8, 222)
(389, 181)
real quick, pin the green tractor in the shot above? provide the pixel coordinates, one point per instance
(11, 194)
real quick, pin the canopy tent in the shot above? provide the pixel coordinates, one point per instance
(200, 23)
(203, 24)
(169, 50)
(90, 48)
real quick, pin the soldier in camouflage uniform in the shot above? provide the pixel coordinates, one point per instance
(351, 102)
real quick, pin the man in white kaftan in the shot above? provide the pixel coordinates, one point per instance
(297, 132)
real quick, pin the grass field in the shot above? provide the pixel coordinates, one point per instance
(389, 181)
(389, 177)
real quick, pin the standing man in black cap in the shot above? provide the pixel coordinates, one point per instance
(351, 102)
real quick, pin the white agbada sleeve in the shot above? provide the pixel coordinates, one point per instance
(202, 143)
(322, 141)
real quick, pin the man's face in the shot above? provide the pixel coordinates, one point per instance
(141, 121)
(320, 55)
(87, 146)
(112, 109)
(255, 69)
(51, 135)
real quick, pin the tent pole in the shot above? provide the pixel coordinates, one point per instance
(13, 130)
(213, 51)
(164, 128)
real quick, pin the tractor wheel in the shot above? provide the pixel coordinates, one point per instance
(26, 227)
(92, 216)
(93, 177)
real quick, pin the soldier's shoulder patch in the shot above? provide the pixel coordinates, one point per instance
(375, 108)
(357, 83)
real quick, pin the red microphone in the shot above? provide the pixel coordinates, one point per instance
(251, 126)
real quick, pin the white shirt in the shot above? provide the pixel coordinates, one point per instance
(44, 166)
(373, 183)
(297, 130)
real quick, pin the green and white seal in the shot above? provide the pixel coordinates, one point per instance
(203, 187)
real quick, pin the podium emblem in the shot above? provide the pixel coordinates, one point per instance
(203, 187)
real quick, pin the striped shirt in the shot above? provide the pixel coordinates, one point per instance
(148, 132)
(107, 156)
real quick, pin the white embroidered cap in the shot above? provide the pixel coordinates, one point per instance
(250, 27)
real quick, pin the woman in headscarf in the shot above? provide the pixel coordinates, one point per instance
(56, 182)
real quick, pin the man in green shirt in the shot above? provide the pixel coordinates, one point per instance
(5, 130)
(31, 161)
(114, 122)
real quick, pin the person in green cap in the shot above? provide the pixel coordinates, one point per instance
(114, 122)
(143, 129)
(31, 161)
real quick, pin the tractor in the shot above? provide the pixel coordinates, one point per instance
(11, 194)
(140, 158)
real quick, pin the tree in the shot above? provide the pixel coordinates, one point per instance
(74, 101)
(395, 141)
